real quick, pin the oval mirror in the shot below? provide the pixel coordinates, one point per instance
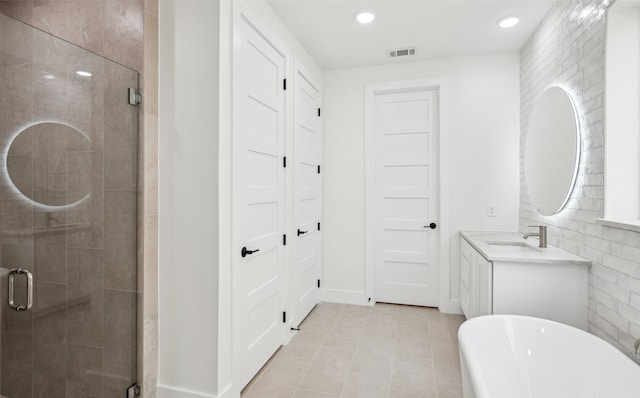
(552, 151)
(50, 165)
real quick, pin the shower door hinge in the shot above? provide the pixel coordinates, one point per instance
(133, 391)
(134, 97)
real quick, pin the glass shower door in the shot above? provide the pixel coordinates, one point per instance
(68, 196)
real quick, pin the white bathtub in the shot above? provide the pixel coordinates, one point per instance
(511, 356)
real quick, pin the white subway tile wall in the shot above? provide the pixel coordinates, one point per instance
(568, 49)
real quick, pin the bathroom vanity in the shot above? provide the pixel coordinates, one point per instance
(501, 273)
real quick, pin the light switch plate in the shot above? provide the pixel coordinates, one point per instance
(491, 210)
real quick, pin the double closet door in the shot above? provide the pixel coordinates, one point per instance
(276, 199)
(307, 195)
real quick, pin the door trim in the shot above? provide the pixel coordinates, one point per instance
(441, 85)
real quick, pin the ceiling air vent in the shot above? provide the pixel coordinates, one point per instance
(401, 52)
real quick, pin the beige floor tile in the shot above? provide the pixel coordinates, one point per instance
(304, 393)
(327, 395)
(277, 381)
(327, 371)
(369, 376)
(322, 318)
(301, 349)
(385, 308)
(354, 327)
(452, 390)
(444, 326)
(386, 351)
(355, 312)
(413, 377)
(377, 346)
(413, 342)
(344, 342)
(372, 363)
(383, 324)
(448, 359)
(412, 317)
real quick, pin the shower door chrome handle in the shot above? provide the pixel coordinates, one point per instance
(12, 303)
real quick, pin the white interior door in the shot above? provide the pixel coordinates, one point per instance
(259, 200)
(406, 198)
(307, 196)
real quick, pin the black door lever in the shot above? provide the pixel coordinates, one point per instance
(244, 251)
(301, 232)
(432, 225)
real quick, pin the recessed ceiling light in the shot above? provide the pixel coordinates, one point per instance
(365, 16)
(84, 73)
(508, 22)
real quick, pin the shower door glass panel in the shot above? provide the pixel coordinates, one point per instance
(68, 195)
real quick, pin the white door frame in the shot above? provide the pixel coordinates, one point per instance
(370, 92)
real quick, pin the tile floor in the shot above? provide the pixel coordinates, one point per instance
(384, 351)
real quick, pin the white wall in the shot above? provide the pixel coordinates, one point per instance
(622, 190)
(188, 198)
(483, 155)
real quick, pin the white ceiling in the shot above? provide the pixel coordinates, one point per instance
(327, 29)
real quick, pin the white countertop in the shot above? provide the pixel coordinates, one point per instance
(511, 247)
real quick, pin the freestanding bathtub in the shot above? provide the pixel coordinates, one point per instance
(511, 356)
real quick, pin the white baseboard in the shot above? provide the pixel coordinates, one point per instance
(175, 392)
(452, 307)
(228, 392)
(361, 298)
(345, 296)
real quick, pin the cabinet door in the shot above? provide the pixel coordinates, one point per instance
(465, 277)
(484, 287)
(474, 257)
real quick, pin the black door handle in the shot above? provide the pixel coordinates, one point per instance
(432, 225)
(301, 232)
(244, 251)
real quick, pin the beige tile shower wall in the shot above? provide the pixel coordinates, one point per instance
(113, 28)
(568, 49)
(148, 209)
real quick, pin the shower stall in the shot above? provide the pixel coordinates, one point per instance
(68, 199)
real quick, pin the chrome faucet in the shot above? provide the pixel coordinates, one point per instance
(48, 219)
(541, 234)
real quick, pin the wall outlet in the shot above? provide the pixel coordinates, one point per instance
(491, 210)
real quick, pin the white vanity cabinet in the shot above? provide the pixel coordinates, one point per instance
(475, 282)
(500, 273)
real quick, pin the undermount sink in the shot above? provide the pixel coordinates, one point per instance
(512, 246)
(507, 244)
